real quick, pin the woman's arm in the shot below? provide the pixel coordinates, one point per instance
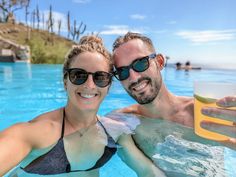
(14, 146)
(135, 159)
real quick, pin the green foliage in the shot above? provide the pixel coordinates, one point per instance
(38, 54)
(42, 52)
(44, 47)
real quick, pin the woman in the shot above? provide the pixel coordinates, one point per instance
(73, 140)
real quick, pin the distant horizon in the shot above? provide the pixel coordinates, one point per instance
(227, 66)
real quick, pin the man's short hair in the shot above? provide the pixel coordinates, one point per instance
(130, 36)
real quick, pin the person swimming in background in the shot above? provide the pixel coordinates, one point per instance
(178, 66)
(74, 140)
(187, 66)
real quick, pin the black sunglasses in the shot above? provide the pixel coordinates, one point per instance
(79, 76)
(138, 65)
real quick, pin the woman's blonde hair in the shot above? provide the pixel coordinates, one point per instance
(90, 43)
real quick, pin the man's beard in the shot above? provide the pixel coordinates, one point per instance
(142, 97)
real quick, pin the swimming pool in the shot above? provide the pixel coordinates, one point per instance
(28, 90)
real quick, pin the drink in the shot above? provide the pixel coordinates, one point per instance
(205, 95)
(199, 103)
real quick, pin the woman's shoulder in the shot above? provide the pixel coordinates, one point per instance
(40, 131)
(46, 127)
(50, 116)
(117, 123)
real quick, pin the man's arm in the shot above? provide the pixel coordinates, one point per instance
(225, 114)
(136, 160)
(132, 109)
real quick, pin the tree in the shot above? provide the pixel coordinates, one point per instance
(37, 16)
(80, 31)
(43, 21)
(73, 32)
(68, 24)
(50, 24)
(59, 27)
(167, 58)
(8, 7)
(76, 32)
(33, 19)
(26, 13)
(50, 20)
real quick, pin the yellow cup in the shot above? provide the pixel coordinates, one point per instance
(205, 95)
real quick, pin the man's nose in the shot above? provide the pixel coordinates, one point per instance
(133, 75)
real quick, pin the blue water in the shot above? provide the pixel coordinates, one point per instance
(28, 90)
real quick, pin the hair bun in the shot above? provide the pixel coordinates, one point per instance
(90, 39)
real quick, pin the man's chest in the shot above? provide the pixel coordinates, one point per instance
(152, 132)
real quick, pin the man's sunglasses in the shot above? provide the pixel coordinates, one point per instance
(79, 76)
(138, 65)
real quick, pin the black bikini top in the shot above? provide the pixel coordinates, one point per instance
(55, 161)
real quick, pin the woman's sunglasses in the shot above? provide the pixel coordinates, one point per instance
(138, 65)
(79, 76)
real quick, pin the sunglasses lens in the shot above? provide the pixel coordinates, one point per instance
(102, 79)
(122, 73)
(78, 77)
(138, 65)
(141, 64)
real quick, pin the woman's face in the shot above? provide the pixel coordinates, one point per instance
(87, 96)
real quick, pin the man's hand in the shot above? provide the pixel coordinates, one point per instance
(222, 113)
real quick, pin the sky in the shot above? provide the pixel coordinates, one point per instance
(201, 31)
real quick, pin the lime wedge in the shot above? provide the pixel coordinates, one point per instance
(204, 99)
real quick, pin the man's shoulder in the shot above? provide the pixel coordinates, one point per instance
(186, 101)
(186, 111)
(185, 98)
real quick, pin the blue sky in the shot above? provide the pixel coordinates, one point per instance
(202, 31)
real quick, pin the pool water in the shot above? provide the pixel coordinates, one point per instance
(28, 90)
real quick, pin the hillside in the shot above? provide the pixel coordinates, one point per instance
(45, 47)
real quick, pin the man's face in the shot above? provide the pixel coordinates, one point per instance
(142, 86)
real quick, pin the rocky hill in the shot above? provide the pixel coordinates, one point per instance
(45, 47)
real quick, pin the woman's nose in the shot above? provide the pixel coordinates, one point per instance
(89, 82)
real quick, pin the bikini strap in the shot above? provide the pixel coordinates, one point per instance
(109, 136)
(63, 124)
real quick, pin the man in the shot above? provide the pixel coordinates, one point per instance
(138, 68)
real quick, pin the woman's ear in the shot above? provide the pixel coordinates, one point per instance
(161, 60)
(65, 86)
(64, 83)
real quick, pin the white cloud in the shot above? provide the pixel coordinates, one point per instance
(208, 35)
(56, 17)
(81, 1)
(137, 17)
(119, 30)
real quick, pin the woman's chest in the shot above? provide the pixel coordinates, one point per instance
(84, 151)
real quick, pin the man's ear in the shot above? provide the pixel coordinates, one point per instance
(161, 60)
